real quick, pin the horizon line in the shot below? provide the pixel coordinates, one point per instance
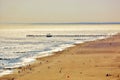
(55, 23)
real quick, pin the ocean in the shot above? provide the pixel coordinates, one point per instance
(17, 49)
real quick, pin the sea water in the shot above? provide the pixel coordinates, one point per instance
(18, 50)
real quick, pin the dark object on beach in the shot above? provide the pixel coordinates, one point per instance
(48, 67)
(118, 75)
(68, 76)
(80, 72)
(19, 67)
(30, 69)
(49, 35)
(83, 63)
(18, 71)
(29, 65)
(40, 62)
(60, 70)
(13, 79)
(108, 75)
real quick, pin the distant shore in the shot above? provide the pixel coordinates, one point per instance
(94, 60)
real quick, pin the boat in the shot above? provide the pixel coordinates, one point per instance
(49, 35)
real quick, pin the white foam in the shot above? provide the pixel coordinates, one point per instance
(54, 49)
(5, 72)
(62, 47)
(25, 61)
(28, 60)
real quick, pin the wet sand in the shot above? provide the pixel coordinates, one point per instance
(95, 60)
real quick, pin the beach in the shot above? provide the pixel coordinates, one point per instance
(92, 60)
(59, 39)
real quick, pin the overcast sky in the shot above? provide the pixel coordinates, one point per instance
(27, 11)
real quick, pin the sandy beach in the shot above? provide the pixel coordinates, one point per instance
(95, 60)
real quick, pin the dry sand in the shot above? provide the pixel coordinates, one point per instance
(96, 60)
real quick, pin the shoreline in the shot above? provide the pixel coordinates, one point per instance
(43, 61)
(10, 70)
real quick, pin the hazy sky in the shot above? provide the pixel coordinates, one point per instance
(59, 11)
